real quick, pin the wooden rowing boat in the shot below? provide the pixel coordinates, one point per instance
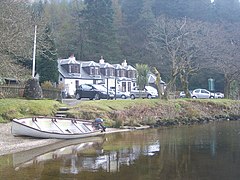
(52, 127)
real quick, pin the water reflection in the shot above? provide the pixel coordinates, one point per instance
(209, 151)
(74, 160)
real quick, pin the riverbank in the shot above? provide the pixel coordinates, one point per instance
(155, 112)
(11, 144)
(128, 113)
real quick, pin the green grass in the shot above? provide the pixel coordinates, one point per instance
(110, 105)
(123, 112)
(17, 108)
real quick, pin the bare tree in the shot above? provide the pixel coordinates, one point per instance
(225, 52)
(15, 35)
(177, 41)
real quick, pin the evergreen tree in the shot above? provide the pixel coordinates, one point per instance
(66, 22)
(46, 61)
(99, 22)
(195, 9)
(142, 72)
(137, 16)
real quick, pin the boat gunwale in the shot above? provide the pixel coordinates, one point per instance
(55, 133)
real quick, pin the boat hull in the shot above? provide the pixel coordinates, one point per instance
(43, 127)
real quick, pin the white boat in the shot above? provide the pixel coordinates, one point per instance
(52, 127)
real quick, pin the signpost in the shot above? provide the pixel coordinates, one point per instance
(211, 84)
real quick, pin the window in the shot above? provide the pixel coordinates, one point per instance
(123, 73)
(129, 86)
(111, 72)
(118, 73)
(204, 91)
(107, 72)
(124, 86)
(92, 71)
(97, 71)
(74, 69)
(85, 87)
(131, 74)
(197, 91)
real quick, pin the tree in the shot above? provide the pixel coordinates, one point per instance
(225, 52)
(158, 81)
(142, 71)
(16, 38)
(66, 21)
(178, 43)
(193, 9)
(137, 19)
(101, 38)
(47, 58)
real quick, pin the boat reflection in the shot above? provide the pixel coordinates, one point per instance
(75, 158)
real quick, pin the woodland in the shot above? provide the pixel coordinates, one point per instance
(185, 41)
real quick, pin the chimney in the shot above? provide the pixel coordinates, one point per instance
(72, 57)
(101, 61)
(124, 63)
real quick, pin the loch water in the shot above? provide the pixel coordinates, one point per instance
(202, 152)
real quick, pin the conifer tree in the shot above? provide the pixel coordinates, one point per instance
(47, 58)
(99, 22)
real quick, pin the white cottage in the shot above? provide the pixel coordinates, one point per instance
(72, 73)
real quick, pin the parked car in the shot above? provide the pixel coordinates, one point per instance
(183, 95)
(218, 95)
(148, 92)
(202, 93)
(120, 94)
(93, 91)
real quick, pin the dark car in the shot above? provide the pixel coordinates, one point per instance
(93, 91)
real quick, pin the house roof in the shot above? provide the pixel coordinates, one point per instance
(89, 64)
(118, 66)
(83, 74)
(130, 68)
(106, 65)
(70, 60)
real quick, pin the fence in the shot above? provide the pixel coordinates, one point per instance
(10, 91)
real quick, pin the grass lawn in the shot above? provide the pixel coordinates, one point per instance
(16, 108)
(124, 111)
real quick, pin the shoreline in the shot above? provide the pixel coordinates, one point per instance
(13, 144)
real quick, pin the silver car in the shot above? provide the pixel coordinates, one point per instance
(148, 92)
(202, 93)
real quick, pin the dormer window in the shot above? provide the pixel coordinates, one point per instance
(94, 71)
(122, 73)
(74, 68)
(109, 72)
(131, 74)
(97, 71)
(118, 73)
